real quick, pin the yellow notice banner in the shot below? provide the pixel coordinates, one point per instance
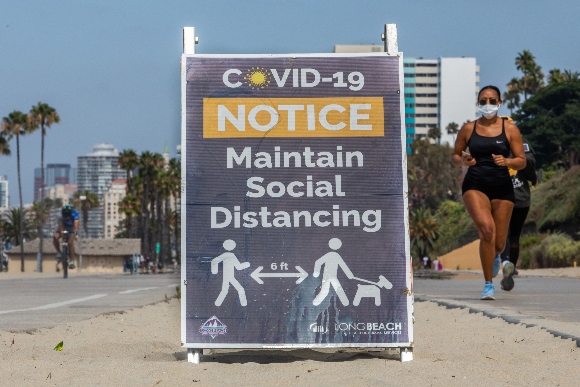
(293, 117)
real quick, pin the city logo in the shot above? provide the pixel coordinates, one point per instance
(213, 327)
(318, 328)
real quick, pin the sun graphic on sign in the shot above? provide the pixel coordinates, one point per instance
(257, 77)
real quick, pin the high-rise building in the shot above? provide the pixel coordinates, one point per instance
(95, 173)
(4, 203)
(437, 92)
(53, 174)
(111, 200)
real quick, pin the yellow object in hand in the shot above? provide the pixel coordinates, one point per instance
(512, 172)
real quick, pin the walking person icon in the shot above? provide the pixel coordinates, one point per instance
(230, 264)
(331, 261)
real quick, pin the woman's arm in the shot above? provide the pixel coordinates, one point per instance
(458, 158)
(518, 160)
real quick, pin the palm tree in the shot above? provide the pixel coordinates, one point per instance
(175, 188)
(556, 76)
(423, 230)
(128, 161)
(452, 129)
(434, 134)
(130, 206)
(89, 202)
(4, 146)
(149, 167)
(512, 94)
(17, 227)
(40, 213)
(525, 60)
(533, 78)
(17, 124)
(570, 75)
(44, 116)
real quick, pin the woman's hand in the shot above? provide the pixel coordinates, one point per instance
(499, 160)
(467, 160)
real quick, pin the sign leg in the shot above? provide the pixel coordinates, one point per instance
(194, 355)
(406, 354)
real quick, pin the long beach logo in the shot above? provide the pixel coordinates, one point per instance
(318, 328)
(213, 327)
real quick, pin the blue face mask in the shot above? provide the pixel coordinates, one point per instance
(489, 111)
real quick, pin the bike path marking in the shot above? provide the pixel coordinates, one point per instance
(55, 305)
(137, 290)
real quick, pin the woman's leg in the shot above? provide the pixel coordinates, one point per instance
(517, 224)
(479, 208)
(501, 210)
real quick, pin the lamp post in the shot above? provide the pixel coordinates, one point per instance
(82, 198)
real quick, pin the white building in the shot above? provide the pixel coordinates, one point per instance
(459, 81)
(4, 203)
(437, 92)
(95, 172)
(111, 200)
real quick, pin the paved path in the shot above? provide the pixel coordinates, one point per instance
(33, 303)
(547, 302)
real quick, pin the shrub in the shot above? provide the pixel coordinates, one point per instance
(549, 250)
(455, 227)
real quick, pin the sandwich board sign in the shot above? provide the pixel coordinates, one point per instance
(294, 208)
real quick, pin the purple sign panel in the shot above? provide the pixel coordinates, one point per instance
(294, 208)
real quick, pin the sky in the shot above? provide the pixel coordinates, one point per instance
(111, 67)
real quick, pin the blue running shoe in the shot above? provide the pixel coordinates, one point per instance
(507, 283)
(496, 265)
(488, 292)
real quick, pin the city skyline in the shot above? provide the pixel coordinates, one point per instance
(111, 69)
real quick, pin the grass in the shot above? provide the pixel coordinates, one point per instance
(556, 204)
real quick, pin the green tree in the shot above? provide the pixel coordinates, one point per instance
(150, 165)
(17, 228)
(128, 161)
(40, 213)
(533, 77)
(174, 217)
(423, 231)
(556, 76)
(512, 94)
(434, 134)
(89, 202)
(550, 120)
(130, 207)
(4, 146)
(42, 115)
(452, 129)
(16, 125)
(432, 178)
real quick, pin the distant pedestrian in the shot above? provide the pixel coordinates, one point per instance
(436, 264)
(426, 262)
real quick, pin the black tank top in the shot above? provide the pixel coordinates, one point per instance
(482, 148)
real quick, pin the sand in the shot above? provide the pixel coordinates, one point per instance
(141, 347)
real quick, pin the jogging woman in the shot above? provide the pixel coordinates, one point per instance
(487, 188)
